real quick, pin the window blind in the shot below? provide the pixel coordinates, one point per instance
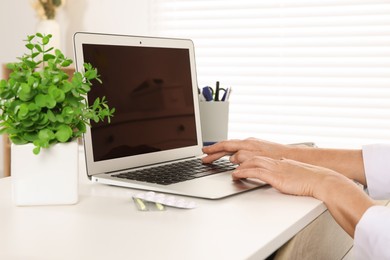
(300, 70)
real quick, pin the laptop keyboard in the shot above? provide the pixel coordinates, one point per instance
(177, 172)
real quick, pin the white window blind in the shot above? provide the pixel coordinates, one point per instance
(300, 70)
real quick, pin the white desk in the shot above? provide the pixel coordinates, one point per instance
(105, 224)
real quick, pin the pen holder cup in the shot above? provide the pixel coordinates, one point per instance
(214, 119)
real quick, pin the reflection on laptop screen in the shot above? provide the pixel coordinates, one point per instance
(151, 90)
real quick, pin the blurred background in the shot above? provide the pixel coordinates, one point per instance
(300, 70)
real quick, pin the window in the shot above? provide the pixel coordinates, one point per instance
(300, 70)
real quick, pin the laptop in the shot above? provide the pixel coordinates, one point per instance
(151, 82)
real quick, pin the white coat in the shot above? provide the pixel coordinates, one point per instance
(372, 233)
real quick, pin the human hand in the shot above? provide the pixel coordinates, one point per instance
(244, 149)
(288, 176)
(345, 200)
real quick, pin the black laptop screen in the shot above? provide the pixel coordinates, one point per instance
(151, 90)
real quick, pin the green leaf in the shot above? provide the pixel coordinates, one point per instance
(40, 100)
(50, 49)
(50, 102)
(37, 150)
(31, 80)
(30, 46)
(30, 136)
(16, 139)
(75, 93)
(48, 56)
(67, 111)
(57, 94)
(81, 127)
(46, 135)
(66, 63)
(46, 39)
(25, 93)
(51, 116)
(66, 86)
(85, 88)
(60, 118)
(30, 37)
(96, 103)
(34, 109)
(34, 54)
(64, 133)
(23, 111)
(56, 79)
(38, 48)
(58, 53)
(33, 117)
(31, 64)
(42, 120)
(26, 124)
(77, 79)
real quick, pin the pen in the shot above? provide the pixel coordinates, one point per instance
(217, 91)
(228, 94)
(225, 94)
(208, 93)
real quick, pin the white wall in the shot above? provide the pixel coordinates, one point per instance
(18, 19)
(108, 16)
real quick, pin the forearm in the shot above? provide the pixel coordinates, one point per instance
(346, 162)
(345, 200)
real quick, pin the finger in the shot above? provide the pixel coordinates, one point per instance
(212, 157)
(226, 146)
(246, 173)
(267, 172)
(256, 173)
(257, 161)
(254, 165)
(242, 155)
(218, 150)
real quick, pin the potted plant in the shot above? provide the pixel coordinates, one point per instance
(43, 111)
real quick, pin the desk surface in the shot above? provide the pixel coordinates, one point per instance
(105, 224)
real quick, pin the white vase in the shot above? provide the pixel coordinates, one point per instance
(49, 178)
(50, 27)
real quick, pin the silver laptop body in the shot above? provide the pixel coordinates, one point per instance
(151, 82)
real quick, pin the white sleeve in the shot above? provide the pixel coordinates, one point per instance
(372, 234)
(376, 158)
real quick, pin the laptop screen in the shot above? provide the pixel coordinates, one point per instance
(151, 90)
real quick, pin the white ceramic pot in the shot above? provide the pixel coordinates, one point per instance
(49, 178)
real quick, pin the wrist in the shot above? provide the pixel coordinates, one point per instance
(296, 152)
(328, 186)
(335, 186)
(345, 200)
